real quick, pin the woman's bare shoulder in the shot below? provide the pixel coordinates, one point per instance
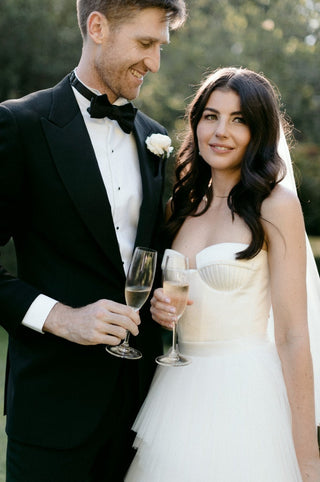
(282, 210)
(280, 201)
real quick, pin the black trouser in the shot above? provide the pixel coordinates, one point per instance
(104, 457)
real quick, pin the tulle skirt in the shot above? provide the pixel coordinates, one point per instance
(223, 418)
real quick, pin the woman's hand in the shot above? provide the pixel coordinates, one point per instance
(162, 311)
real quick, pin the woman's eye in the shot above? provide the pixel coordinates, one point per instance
(239, 120)
(210, 116)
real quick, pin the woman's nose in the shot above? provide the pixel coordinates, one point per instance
(221, 128)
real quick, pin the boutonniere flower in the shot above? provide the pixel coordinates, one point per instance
(160, 145)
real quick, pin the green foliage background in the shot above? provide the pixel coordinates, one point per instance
(40, 43)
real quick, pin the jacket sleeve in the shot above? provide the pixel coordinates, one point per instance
(15, 295)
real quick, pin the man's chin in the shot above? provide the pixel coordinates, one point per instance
(132, 94)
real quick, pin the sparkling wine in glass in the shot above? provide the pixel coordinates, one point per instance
(176, 287)
(137, 288)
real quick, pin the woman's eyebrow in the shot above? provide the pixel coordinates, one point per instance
(211, 109)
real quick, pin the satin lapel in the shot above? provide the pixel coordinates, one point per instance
(151, 175)
(75, 160)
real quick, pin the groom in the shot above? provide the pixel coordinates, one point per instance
(79, 190)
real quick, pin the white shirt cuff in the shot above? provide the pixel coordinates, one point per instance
(38, 312)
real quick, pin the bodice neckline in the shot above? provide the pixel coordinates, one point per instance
(228, 243)
(217, 245)
(221, 244)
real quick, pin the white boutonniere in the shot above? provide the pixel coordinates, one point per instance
(160, 145)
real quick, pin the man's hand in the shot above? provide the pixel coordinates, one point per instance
(103, 322)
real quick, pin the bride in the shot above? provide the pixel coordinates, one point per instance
(243, 410)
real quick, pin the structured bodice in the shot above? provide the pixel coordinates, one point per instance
(231, 297)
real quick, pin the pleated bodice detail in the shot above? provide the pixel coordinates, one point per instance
(220, 288)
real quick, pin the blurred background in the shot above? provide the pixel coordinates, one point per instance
(40, 43)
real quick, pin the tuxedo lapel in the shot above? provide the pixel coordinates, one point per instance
(152, 181)
(76, 163)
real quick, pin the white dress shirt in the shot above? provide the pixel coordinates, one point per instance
(118, 161)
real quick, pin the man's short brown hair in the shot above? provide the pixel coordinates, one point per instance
(117, 11)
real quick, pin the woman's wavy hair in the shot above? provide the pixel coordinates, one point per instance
(261, 168)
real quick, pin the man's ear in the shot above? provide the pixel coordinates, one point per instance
(97, 27)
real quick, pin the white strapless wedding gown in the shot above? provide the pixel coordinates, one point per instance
(225, 417)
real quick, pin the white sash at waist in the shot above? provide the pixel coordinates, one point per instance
(209, 348)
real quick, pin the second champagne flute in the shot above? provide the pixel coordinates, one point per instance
(176, 287)
(137, 288)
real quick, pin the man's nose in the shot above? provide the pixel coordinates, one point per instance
(152, 61)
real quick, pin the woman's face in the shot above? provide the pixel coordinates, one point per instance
(223, 135)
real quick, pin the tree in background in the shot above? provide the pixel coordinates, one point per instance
(280, 38)
(40, 43)
(307, 163)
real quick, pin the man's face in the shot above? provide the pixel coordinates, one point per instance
(128, 52)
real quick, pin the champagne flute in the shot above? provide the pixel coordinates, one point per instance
(176, 287)
(137, 288)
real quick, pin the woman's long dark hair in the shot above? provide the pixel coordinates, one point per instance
(261, 168)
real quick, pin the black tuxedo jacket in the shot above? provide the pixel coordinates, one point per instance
(54, 204)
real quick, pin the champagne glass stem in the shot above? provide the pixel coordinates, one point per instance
(125, 342)
(176, 286)
(174, 341)
(124, 346)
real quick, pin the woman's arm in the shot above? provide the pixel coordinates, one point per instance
(284, 227)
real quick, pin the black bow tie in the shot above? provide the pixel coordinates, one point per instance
(101, 107)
